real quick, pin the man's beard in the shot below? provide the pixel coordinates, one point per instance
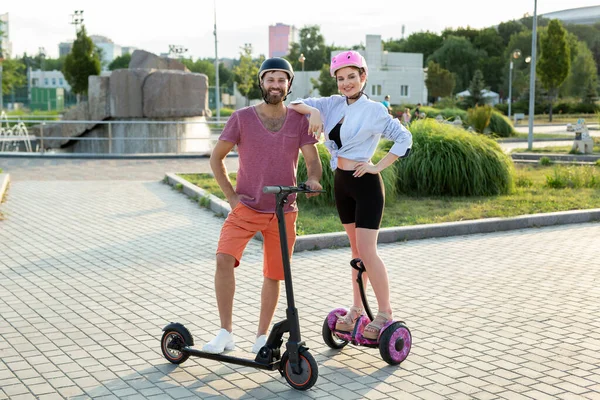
(274, 98)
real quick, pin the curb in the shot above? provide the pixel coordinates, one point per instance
(4, 182)
(556, 157)
(413, 232)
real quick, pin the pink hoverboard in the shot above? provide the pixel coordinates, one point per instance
(394, 341)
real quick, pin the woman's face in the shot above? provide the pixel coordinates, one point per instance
(350, 81)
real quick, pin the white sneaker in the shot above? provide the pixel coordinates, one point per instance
(223, 341)
(260, 342)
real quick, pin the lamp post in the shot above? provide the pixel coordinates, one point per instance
(302, 59)
(77, 19)
(515, 54)
(217, 90)
(532, 77)
(1, 94)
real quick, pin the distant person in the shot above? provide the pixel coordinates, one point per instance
(416, 114)
(405, 120)
(386, 103)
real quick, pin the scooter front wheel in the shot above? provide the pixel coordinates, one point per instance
(308, 374)
(395, 343)
(173, 339)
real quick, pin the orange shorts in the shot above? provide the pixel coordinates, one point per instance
(241, 225)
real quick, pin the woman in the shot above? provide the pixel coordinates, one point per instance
(406, 117)
(353, 125)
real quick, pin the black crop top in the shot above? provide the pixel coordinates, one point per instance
(335, 135)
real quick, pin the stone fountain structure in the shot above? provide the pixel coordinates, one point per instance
(155, 98)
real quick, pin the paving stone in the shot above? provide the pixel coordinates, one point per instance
(503, 315)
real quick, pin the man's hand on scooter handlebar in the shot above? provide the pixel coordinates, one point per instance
(315, 188)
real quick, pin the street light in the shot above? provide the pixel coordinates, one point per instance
(301, 59)
(515, 54)
(77, 19)
(532, 77)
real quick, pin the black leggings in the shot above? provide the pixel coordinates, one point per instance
(359, 200)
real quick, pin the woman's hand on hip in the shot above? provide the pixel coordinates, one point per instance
(362, 168)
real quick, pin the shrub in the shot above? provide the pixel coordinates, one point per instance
(598, 163)
(479, 117)
(573, 177)
(388, 175)
(446, 160)
(545, 161)
(502, 108)
(500, 125)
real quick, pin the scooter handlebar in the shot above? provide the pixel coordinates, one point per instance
(301, 188)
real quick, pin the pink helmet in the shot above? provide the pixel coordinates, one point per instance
(349, 58)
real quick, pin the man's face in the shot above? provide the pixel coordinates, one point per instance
(275, 86)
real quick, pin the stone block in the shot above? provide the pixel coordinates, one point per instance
(147, 60)
(125, 89)
(175, 94)
(98, 97)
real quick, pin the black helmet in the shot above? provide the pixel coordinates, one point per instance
(276, 64)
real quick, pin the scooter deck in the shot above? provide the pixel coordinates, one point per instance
(231, 357)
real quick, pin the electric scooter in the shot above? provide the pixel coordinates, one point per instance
(394, 340)
(296, 365)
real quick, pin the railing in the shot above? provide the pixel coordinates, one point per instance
(159, 137)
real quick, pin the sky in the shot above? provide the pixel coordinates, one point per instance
(37, 23)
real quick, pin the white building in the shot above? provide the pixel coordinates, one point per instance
(581, 16)
(5, 43)
(399, 75)
(48, 79)
(110, 50)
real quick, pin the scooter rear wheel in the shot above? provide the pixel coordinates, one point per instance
(330, 338)
(307, 377)
(395, 343)
(173, 355)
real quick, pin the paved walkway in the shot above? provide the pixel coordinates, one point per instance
(91, 270)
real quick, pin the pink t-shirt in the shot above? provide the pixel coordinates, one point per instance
(266, 158)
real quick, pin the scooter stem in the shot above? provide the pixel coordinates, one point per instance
(361, 268)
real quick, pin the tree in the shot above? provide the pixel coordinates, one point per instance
(583, 74)
(202, 66)
(440, 82)
(420, 42)
(121, 62)
(490, 41)
(555, 60)
(246, 72)
(507, 29)
(81, 62)
(458, 55)
(467, 32)
(312, 46)
(326, 84)
(13, 75)
(476, 87)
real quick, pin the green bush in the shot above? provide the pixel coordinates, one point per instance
(500, 125)
(479, 117)
(225, 112)
(502, 108)
(388, 175)
(573, 177)
(545, 161)
(447, 160)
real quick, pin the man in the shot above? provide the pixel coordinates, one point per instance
(386, 103)
(268, 137)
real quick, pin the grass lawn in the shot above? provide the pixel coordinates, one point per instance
(531, 196)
